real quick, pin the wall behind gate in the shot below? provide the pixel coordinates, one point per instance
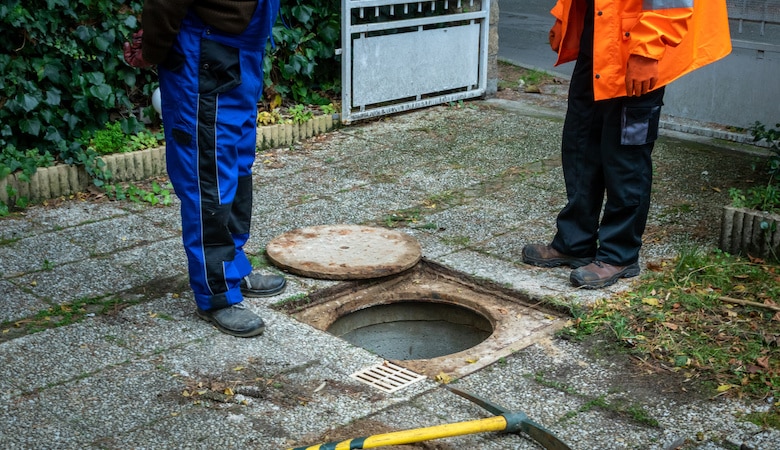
(737, 91)
(744, 87)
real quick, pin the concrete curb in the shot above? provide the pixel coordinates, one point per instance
(63, 180)
(747, 231)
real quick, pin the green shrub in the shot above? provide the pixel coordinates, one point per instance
(765, 197)
(110, 139)
(67, 95)
(303, 67)
(62, 74)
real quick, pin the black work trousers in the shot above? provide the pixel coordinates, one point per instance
(606, 149)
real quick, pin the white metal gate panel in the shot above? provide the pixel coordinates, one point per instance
(398, 56)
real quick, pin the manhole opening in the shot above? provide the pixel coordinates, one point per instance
(413, 329)
(482, 321)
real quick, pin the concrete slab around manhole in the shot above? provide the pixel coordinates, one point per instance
(344, 252)
(517, 321)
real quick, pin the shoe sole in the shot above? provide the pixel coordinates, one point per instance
(574, 263)
(629, 272)
(254, 293)
(256, 332)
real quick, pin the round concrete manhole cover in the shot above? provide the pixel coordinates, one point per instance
(343, 252)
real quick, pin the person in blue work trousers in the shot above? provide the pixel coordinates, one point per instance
(626, 52)
(209, 57)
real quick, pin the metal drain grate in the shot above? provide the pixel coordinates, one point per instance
(387, 377)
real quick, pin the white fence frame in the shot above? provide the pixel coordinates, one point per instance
(400, 64)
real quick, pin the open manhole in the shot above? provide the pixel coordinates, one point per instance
(430, 319)
(414, 329)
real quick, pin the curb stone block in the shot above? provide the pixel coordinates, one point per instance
(742, 232)
(61, 180)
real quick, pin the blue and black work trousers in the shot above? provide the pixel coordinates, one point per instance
(210, 85)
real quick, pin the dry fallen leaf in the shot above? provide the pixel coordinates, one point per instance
(650, 301)
(443, 378)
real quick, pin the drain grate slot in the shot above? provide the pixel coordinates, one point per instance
(387, 377)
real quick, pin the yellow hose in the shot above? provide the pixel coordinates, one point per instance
(497, 423)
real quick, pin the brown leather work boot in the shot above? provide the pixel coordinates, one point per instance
(599, 274)
(546, 256)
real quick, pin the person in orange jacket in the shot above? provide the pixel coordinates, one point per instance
(626, 52)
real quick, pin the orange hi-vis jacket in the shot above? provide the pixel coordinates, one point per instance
(682, 35)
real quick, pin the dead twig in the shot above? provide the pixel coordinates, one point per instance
(749, 303)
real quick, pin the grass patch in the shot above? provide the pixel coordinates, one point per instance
(708, 316)
(636, 412)
(63, 315)
(768, 419)
(293, 303)
(513, 76)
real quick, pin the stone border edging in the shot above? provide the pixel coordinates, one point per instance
(61, 180)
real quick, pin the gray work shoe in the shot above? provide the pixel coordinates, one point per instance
(235, 320)
(257, 285)
(599, 274)
(546, 256)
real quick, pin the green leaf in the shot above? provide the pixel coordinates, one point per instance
(95, 78)
(102, 92)
(131, 22)
(53, 97)
(30, 126)
(302, 13)
(102, 43)
(28, 102)
(84, 33)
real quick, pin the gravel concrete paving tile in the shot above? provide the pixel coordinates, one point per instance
(536, 283)
(313, 184)
(156, 326)
(167, 218)
(315, 213)
(371, 204)
(98, 278)
(109, 236)
(562, 366)
(115, 400)
(201, 428)
(31, 422)
(297, 287)
(433, 247)
(545, 180)
(509, 246)
(223, 358)
(337, 403)
(163, 259)
(59, 355)
(18, 303)
(14, 229)
(9, 390)
(39, 252)
(74, 213)
(439, 184)
(477, 222)
(285, 334)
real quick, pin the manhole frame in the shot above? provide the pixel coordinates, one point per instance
(518, 321)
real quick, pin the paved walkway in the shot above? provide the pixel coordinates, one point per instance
(133, 367)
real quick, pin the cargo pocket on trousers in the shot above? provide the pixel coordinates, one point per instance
(220, 67)
(639, 125)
